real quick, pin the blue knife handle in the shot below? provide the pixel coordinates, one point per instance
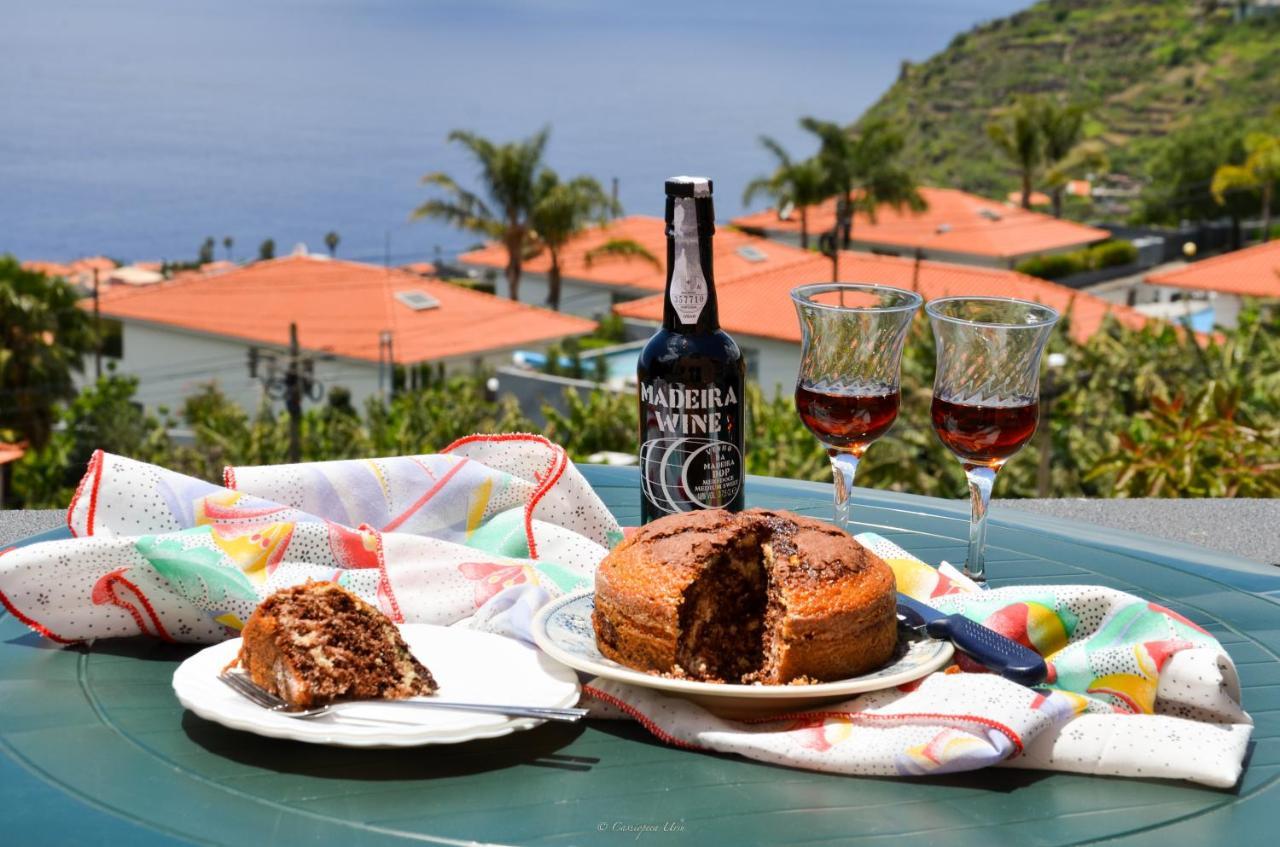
(991, 649)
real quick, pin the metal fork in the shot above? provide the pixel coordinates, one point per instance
(243, 685)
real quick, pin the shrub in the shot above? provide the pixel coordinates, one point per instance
(1052, 266)
(1111, 254)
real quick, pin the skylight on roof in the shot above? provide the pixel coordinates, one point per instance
(419, 301)
(752, 254)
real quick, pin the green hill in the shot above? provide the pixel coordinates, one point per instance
(1146, 68)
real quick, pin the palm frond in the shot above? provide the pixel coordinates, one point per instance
(621, 248)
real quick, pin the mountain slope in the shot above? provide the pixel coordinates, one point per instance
(1146, 67)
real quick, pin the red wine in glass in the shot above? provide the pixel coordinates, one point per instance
(981, 434)
(849, 418)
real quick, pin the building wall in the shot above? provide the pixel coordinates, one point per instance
(584, 299)
(770, 362)
(171, 365)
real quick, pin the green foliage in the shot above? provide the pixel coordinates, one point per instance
(509, 175)
(103, 415)
(862, 169)
(1147, 68)
(600, 420)
(1052, 265)
(798, 185)
(267, 249)
(1108, 254)
(1134, 413)
(43, 337)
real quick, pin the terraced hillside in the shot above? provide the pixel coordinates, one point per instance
(1147, 67)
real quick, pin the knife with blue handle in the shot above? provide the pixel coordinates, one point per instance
(985, 646)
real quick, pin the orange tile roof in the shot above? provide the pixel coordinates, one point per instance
(1251, 272)
(90, 264)
(632, 272)
(955, 222)
(760, 305)
(220, 266)
(341, 307)
(48, 268)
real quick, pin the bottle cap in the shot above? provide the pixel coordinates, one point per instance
(688, 186)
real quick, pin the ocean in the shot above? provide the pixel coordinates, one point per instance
(136, 128)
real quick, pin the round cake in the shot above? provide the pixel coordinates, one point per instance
(754, 597)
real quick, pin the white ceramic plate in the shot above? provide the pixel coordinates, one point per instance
(563, 629)
(470, 666)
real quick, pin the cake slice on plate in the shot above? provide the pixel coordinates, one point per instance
(314, 643)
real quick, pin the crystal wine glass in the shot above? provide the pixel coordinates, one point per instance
(986, 392)
(847, 391)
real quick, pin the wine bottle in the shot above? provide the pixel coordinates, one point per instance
(690, 375)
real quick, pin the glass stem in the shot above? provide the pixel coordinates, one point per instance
(980, 481)
(844, 466)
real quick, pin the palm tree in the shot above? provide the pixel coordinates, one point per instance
(331, 239)
(796, 184)
(1259, 172)
(206, 251)
(44, 336)
(1018, 136)
(862, 174)
(1065, 153)
(508, 176)
(563, 210)
(227, 241)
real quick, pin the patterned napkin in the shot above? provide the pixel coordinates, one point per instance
(487, 530)
(1134, 689)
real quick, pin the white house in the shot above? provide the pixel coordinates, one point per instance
(592, 283)
(352, 320)
(1215, 289)
(757, 309)
(956, 227)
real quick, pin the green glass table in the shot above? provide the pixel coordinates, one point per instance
(94, 748)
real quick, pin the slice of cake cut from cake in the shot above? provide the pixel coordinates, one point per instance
(314, 643)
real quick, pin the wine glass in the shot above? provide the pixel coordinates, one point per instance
(847, 391)
(986, 392)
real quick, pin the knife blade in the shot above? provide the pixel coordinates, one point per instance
(984, 645)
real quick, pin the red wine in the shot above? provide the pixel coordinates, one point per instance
(984, 435)
(690, 375)
(844, 419)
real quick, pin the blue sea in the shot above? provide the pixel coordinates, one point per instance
(136, 128)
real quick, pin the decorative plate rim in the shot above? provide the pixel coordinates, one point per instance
(191, 676)
(944, 650)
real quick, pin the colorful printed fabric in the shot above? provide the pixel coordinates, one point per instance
(1134, 690)
(487, 530)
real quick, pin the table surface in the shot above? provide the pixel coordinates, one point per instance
(94, 748)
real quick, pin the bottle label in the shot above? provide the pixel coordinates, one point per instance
(688, 284)
(690, 458)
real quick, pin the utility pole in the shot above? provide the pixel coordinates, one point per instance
(97, 330)
(1050, 392)
(384, 344)
(297, 383)
(293, 396)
